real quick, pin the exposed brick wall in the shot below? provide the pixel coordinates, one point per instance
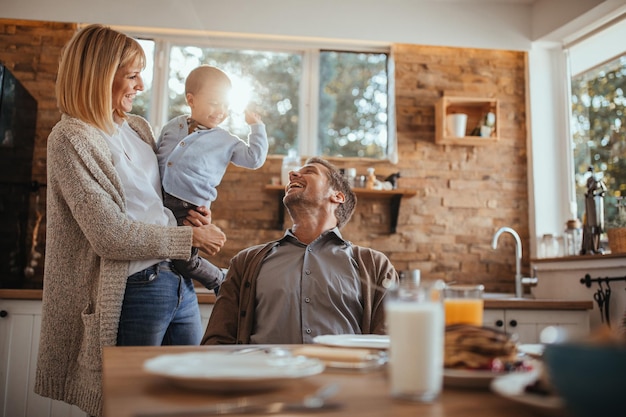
(464, 193)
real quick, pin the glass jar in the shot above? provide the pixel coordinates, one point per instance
(549, 246)
(573, 237)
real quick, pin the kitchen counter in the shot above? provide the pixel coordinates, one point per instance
(537, 304)
(204, 296)
(609, 259)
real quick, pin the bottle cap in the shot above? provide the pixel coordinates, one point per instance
(574, 224)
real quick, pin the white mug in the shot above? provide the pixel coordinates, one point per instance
(415, 324)
(456, 124)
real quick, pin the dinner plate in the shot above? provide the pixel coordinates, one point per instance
(467, 378)
(533, 350)
(227, 372)
(369, 341)
(513, 387)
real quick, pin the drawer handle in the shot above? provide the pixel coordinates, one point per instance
(513, 323)
(499, 323)
(3, 313)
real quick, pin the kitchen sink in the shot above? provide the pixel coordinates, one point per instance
(505, 296)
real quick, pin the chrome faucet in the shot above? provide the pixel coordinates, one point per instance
(518, 256)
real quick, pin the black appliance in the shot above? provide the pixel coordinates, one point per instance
(18, 119)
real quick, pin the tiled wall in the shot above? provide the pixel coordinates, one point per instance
(464, 193)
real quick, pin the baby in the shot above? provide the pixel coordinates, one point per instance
(194, 152)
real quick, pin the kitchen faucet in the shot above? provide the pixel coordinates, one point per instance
(518, 259)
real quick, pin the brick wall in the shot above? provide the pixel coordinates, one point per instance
(464, 193)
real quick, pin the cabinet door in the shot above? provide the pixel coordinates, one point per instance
(494, 319)
(20, 324)
(575, 323)
(528, 324)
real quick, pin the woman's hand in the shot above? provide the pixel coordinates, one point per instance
(208, 238)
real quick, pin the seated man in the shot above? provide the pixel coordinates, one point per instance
(311, 281)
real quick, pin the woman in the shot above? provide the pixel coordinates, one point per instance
(109, 240)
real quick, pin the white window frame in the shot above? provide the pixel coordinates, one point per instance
(551, 173)
(309, 87)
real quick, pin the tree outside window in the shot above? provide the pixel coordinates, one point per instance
(599, 131)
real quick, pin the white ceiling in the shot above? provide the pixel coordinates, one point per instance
(493, 24)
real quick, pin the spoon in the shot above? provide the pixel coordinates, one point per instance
(311, 403)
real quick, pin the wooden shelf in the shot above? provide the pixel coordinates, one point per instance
(394, 195)
(475, 108)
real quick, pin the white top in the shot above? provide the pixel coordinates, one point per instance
(137, 166)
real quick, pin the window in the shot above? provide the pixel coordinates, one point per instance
(598, 120)
(321, 101)
(599, 131)
(142, 103)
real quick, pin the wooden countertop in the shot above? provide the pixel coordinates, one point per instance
(129, 391)
(575, 258)
(206, 297)
(537, 304)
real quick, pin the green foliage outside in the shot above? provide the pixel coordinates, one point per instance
(352, 115)
(599, 132)
(353, 105)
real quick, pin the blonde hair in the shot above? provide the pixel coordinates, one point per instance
(86, 72)
(203, 74)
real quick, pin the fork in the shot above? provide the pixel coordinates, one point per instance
(310, 403)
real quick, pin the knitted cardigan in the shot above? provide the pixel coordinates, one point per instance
(89, 243)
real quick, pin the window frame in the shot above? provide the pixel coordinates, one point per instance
(591, 51)
(309, 88)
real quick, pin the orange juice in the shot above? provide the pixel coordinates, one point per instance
(463, 311)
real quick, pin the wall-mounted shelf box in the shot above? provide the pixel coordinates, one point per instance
(476, 108)
(394, 195)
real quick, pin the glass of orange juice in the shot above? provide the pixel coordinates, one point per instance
(463, 304)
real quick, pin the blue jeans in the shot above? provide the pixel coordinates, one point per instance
(160, 308)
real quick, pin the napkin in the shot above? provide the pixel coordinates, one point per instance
(333, 354)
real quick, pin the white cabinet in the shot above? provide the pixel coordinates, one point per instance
(20, 323)
(528, 324)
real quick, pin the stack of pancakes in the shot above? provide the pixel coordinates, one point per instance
(475, 347)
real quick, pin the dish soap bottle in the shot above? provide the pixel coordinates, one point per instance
(291, 162)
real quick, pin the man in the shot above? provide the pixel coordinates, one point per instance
(311, 281)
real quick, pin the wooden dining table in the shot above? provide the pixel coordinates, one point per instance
(130, 391)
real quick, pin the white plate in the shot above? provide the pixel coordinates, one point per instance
(369, 341)
(513, 387)
(466, 378)
(227, 372)
(534, 350)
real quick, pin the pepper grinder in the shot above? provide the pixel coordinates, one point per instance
(593, 222)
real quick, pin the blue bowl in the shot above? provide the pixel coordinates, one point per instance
(589, 378)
